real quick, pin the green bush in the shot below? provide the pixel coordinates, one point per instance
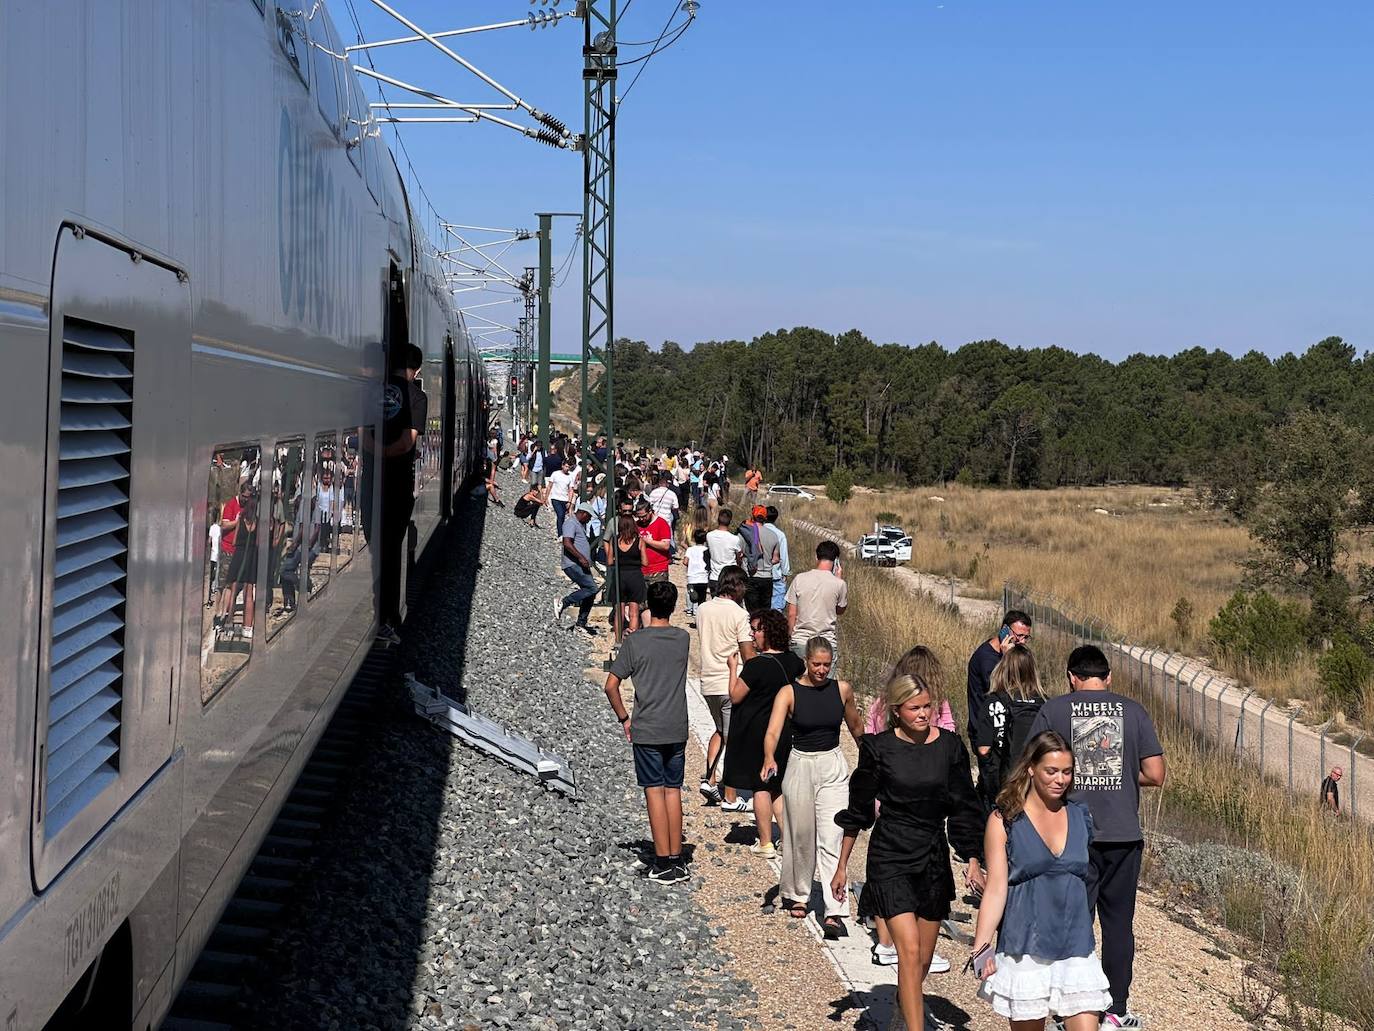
(840, 487)
(965, 477)
(1182, 616)
(886, 517)
(1344, 672)
(1260, 629)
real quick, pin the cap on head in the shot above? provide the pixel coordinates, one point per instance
(587, 508)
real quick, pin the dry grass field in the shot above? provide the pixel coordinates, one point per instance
(1311, 943)
(1125, 555)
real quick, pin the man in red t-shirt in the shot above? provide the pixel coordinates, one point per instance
(229, 528)
(657, 536)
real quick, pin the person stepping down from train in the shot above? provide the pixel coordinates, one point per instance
(405, 409)
(577, 566)
(655, 659)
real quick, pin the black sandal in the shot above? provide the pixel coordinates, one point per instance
(834, 928)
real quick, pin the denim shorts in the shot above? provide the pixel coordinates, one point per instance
(660, 766)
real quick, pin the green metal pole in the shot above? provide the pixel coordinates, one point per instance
(598, 213)
(545, 284)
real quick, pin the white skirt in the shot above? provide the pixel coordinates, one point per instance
(1026, 988)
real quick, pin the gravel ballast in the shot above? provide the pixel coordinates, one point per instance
(454, 891)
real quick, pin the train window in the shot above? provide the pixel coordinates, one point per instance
(291, 38)
(326, 57)
(284, 546)
(350, 523)
(359, 122)
(321, 528)
(232, 499)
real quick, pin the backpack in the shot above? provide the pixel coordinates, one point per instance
(1019, 717)
(753, 551)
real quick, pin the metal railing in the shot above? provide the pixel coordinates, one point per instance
(1214, 706)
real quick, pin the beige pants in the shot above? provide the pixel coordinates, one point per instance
(814, 788)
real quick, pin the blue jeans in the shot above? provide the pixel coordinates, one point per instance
(779, 594)
(560, 512)
(583, 596)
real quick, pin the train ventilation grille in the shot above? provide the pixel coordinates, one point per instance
(89, 570)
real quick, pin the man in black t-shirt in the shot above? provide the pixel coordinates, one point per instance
(1015, 629)
(405, 410)
(1331, 790)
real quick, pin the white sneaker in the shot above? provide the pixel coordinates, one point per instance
(938, 964)
(764, 849)
(885, 955)
(739, 805)
(1131, 1021)
(710, 792)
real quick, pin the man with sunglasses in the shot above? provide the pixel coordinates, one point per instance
(1015, 629)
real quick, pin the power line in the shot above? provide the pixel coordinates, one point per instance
(659, 45)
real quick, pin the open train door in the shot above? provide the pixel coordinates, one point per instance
(114, 540)
(450, 428)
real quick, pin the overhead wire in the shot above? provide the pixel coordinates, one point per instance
(658, 47)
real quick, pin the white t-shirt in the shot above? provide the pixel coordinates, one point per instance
(325, 500)
(560, 485)
(682, 472)
(726, 549)
(215, 532)
(664, 500)
(696, 564)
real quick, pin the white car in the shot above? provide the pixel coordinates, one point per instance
(893, 533)
(883, 550)
(786, 490)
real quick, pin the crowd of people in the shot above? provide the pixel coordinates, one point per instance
(1047, 833)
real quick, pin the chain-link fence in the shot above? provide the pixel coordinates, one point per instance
(1229, 714)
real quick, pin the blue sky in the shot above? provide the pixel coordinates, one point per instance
(1102, 176)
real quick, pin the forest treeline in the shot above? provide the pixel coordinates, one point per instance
(802, 402)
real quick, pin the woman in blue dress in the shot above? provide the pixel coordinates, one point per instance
(1036, 899)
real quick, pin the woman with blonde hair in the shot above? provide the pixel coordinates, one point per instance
(1015, 696)
(924, 666)
(920, 774)
(1036, 899)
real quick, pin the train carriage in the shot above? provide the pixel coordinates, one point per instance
(206, 255)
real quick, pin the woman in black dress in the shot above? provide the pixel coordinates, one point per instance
(243, 567)
(751, 698)
(920, 774)
(625, 569)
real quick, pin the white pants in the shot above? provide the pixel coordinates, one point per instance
(814, 788)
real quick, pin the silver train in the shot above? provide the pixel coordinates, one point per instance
(205, 253)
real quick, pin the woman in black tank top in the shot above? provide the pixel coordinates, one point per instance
(816, 784)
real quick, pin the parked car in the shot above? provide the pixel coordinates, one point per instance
(892, 533)
(884, 551)
(787, 490)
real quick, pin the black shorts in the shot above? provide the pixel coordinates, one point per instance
(660, 766)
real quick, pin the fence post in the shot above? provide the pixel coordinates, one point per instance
(1240, 724)
(1202, 723)
(1191, 684)
(1292, 716)
(1006, 596)
(1263, 719)
(1358, 739)
(1321, 748)
(1221, 691)
(1164, 676)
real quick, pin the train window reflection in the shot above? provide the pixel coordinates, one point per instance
(350, 527)
(231, 570)
(284, 548)
(291, 38)
(325, 498)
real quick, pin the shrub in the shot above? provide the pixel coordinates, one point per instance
(1344, 672)
(965, 477)
(840, 487)
(1182, 616)
(886, 517)
(1260, 629)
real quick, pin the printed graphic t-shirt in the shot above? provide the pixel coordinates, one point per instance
(1110, 735)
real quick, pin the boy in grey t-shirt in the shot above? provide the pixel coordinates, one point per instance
(1116, 752)
(655, 657)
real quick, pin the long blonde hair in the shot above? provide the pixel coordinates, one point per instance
(1011, 800)
(1016, 675)
(922, 664)
(900, 690)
